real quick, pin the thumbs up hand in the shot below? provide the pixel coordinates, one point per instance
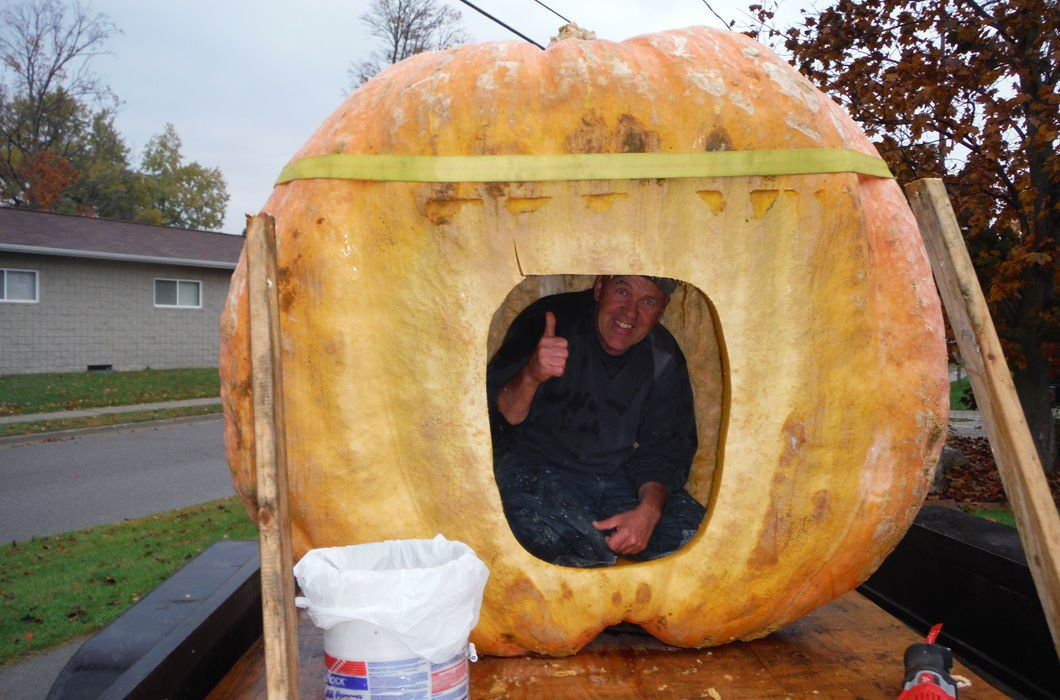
(550, 357)
(549, 360)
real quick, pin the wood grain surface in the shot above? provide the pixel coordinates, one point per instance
(850, 648)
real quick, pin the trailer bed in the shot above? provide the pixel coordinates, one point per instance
(849, 648)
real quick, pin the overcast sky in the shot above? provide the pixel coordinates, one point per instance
(246, 82)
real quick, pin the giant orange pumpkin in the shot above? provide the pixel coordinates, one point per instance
(809, 317)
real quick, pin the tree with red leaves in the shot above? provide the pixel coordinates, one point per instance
(966, 91)
(46, 177)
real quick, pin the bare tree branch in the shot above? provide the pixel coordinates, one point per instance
(406, 28)
(43, 49)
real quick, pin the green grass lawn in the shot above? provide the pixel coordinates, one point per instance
(959, 391)
(45, 393)
(1003, 516)
(53, 589)
(22, 394)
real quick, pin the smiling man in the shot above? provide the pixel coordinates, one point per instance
(594, 426)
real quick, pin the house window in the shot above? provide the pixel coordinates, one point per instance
(18, 286)
(181, 294)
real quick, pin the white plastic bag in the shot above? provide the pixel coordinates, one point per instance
(427, 593)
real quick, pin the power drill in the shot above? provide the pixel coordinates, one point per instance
(927, 670)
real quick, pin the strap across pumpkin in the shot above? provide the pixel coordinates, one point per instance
(583, 166)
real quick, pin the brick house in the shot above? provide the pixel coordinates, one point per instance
(78, 293)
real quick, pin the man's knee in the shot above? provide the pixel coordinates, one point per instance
(679, 523)
(558, 542)
(686, 512)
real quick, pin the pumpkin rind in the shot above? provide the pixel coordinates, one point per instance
(823, 406)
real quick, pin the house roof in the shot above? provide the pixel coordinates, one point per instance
(44, 233)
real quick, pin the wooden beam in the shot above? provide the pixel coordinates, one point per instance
(1006, 428)
(279, 616)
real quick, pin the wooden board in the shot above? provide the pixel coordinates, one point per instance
(274, 524)
(1006, 428)
(849, 648)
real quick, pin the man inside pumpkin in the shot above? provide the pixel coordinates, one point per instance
(594, 426)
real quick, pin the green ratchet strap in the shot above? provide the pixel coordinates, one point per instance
(583, 166)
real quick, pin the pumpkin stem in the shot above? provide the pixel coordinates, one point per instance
(572, 31)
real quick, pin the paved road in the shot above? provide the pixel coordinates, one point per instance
(102, 477)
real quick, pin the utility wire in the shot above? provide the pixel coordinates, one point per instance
(552, 11)
(728, 25)
(510, 29)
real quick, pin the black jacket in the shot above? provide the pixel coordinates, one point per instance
(634, 411)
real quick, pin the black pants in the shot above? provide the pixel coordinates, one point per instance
(551, 510)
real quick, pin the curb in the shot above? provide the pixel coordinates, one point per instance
(33, 438)
(109, 410)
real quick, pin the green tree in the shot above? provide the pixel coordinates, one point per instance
(59, 148)
(106, 185)
(964, 90)
(406, 28)
(188, 195)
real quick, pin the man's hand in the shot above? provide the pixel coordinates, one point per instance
(632, 529)
(549, 360)
(550, 357)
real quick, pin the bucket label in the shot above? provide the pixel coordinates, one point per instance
(397, 679)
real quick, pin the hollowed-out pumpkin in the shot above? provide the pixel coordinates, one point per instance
(809, 317)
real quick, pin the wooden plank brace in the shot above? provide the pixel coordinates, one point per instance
(280, 627)
(1006, 428)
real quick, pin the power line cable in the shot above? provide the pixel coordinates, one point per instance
(553, 11)
(728, 25)
(509, 28)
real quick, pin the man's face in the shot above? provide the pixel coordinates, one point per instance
(628, 307)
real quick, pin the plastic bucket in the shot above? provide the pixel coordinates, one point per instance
(364, 661)
(396, 617)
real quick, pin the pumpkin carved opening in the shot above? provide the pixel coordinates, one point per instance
(692, 320)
